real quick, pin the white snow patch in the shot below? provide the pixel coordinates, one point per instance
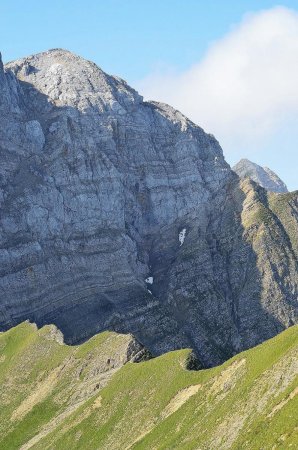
(149, 280)
(182, 235)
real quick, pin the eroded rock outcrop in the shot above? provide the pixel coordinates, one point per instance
(122, 214)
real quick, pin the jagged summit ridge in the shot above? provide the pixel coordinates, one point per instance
(83, 85)
(96, 189)
(264, 176)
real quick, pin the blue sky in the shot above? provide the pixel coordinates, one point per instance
(150, 43)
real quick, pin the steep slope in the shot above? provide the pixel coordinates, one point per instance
(43, 379)
(119, 214)
(58, 397)
(261, 175)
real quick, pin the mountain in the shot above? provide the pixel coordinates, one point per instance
(261, 175)
(91, 396)
(122, 215)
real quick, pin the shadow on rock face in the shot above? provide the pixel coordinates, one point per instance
(97, 200)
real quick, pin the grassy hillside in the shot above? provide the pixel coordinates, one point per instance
(54, 396)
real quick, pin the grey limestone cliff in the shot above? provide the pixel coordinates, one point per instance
(122, 214)
(264, 176)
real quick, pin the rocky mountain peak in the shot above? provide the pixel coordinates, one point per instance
(119, 214)
(67, 79)
(264, 176)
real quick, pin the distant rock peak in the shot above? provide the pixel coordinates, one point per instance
(264, 176)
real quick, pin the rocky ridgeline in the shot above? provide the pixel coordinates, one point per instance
(261, 175)
(122, 214)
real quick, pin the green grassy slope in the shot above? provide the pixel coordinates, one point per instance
(57, 397)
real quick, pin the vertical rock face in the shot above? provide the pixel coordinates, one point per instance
(122, 214)
(261, 175)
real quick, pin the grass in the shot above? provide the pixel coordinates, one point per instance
(248, 402)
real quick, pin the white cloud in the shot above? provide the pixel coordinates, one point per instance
(245, 87)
